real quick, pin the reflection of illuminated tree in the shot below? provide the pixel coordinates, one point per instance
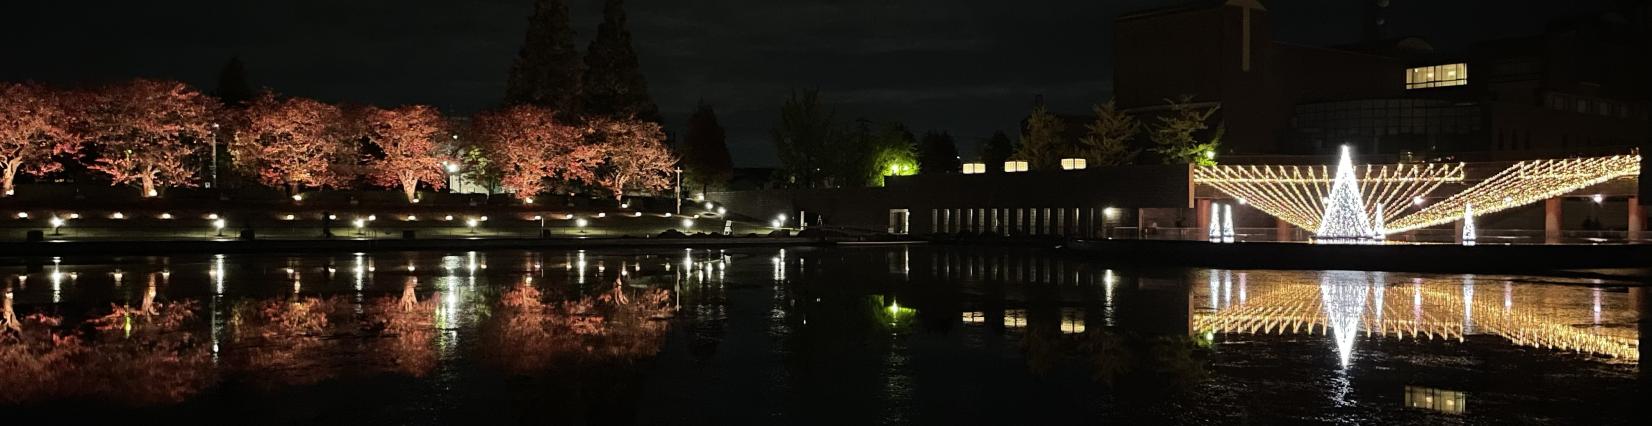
(9, 324)
(283, 342)
(529, 335)
(408, 328)
(129, 356)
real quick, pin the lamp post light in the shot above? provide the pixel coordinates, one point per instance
(214, 166)
(218, 224)
(471, 223)
(361, 226)
(581, 223)
(57, 222)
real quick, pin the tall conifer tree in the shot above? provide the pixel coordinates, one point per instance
(705, 156)
(614, 85)
(547, 68)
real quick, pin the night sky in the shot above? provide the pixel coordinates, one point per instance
(967, 66)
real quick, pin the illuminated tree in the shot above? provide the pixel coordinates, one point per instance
(407, 138)
(890, 152)
(144, 131)
(635, 156)
(292, 142)
(528, 146)
(1108, 142)
(1043, 143)
(1177, 139)
(33, 128)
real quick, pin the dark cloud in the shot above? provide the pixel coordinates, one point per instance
(967, 66)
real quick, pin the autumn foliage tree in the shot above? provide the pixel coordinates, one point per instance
(407, 138)
(144, 131)
(292, 142)
(33, 128)
(530, 146)
(635, 156)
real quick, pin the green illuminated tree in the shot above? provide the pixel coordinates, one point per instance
(1177, 137)
(1042, 144)
(1108, 142)
(892, 151)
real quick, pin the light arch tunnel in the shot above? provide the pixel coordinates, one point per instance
(1418, 195)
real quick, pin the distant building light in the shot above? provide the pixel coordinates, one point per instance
(1015, 166)
(975, 168)
(1073, 164)
(1436, 76)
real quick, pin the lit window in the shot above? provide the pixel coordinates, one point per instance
(1436, 76)
(975, 168)
(1073, 164)
(1015, 166)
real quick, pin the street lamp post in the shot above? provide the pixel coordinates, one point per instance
(679, 171)
(214, 166)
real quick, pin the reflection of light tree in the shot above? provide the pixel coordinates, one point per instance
(408, 329)
(8, 316)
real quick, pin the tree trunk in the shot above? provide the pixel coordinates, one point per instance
(148, 180)
(410, 187)
(8, 317)
(10, 174)
(409, 300)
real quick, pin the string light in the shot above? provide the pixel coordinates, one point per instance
(1295, 193)
(1523, 183)
(1345, 216)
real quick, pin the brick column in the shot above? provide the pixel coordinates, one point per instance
(1635, 218)
(1281, 230)
(1201, 216)
(1551, 220)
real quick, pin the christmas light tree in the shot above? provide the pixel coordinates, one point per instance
(1345, 217)
(1468, 224)
(1216, 222)
(1227, 223)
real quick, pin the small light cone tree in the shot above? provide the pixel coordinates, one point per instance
(1469, 234)
(529, 146)
(407, 137)
(144, 131)
(1227, 222)
(1344, 217)
(635, 157)
(1216, 222)
(291, 143)
(33, 128)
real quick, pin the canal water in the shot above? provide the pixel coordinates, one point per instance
(803, 335)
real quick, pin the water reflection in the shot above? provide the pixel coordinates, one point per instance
(1345, 304)
(904, 334)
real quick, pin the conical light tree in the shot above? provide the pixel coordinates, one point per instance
(1345, 216)
(1227, 222)
(1216, 222)
(1468, 224)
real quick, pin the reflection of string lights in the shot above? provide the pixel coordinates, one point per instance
(1436, 311)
